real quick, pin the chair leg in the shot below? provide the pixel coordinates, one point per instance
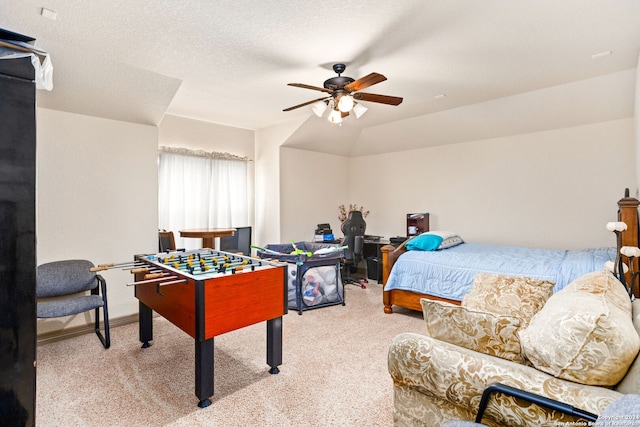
(347, 279)
(106, 338)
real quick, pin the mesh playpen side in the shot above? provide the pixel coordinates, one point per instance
(313, 281)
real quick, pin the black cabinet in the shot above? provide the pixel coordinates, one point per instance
(373, 255)
(17, 241)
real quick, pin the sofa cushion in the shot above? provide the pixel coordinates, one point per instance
(515, 296)
(630, 384)
(474, 330)
(584, 333)
(435, 382)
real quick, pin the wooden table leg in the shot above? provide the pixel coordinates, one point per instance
(209, 242)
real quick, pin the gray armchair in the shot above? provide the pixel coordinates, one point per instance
(61, 288)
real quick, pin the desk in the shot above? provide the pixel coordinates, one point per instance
(208, 235)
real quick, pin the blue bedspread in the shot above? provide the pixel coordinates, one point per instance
(449, 273)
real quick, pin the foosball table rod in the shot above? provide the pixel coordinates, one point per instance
(160, 280)
(123, 265)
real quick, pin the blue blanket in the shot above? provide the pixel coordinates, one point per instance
(449, 273)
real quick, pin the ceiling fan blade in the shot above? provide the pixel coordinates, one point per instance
(306, 103)
(382, 99)
(365, 82)
(344, 114)
(304, 86)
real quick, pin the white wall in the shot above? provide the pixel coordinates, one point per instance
(268, 173)
(312, 185)
(96, 198)
(548, 189)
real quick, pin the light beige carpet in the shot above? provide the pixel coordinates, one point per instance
(334, 373)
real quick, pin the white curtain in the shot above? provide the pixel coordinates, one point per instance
(201, 191)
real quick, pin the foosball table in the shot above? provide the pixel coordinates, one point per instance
(207, 293)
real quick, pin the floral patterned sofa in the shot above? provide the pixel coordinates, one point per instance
(578, 346)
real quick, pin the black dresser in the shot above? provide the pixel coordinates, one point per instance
(17, 239)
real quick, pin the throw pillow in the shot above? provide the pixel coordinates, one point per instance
(478, 331)
(424, 242)
(433, 240)
(516, 296)
(584, 333)
(450, 242)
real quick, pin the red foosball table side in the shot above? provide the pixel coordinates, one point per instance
(176, 303)
(227, 303)
(238, 300)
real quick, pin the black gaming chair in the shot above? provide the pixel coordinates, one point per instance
(353, 229)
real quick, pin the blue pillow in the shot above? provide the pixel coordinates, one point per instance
(424, 242)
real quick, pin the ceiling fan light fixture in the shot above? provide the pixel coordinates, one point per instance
(359, 110)
(335, 117)
(342, 93)
(345, 104)
(319, 108)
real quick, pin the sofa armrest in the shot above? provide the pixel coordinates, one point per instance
(446, 372)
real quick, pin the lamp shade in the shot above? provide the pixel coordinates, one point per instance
(335, 116)
(359, 110)
(319, 107)
(345, 104)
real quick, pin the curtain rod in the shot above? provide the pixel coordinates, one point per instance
(201, 153)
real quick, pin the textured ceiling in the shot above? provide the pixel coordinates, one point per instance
(228, 61)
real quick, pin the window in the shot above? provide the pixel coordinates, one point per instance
(201, 190)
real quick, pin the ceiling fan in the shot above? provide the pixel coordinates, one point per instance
(343, 94)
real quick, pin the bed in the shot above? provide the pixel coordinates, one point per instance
(447, 274)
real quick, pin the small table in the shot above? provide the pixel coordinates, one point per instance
(208, 235)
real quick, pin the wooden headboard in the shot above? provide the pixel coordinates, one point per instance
(628, 213)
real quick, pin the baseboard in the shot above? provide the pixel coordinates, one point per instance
(77, 331)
